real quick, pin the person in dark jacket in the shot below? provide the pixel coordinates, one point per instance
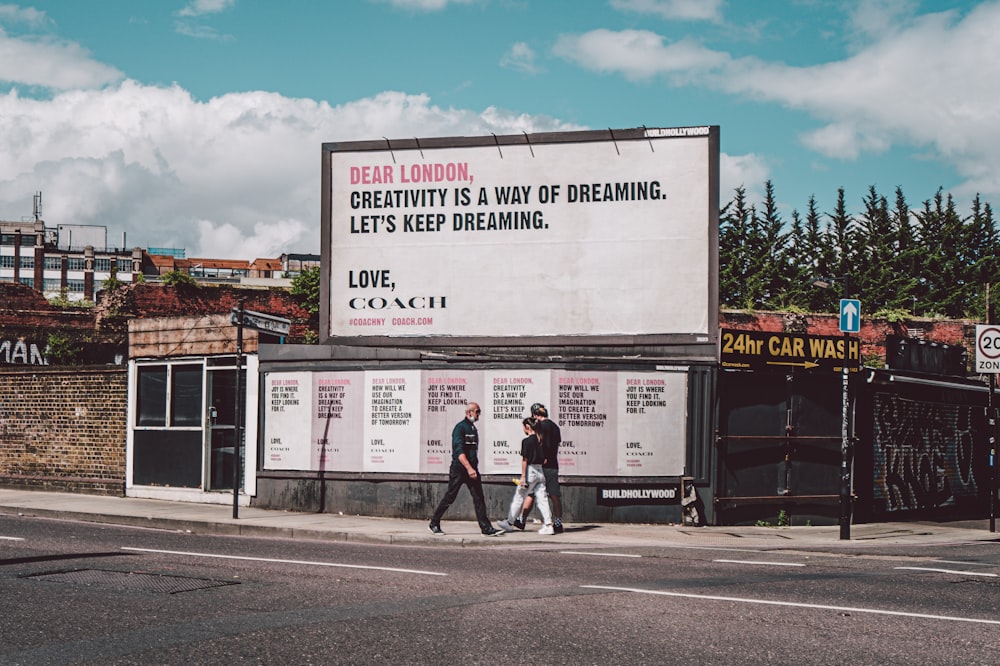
(465, 471)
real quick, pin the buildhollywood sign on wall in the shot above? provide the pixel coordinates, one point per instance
(586, 234)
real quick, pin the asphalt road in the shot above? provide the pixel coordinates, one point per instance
(84, 593)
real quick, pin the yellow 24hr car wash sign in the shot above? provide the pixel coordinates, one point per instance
(757, 350)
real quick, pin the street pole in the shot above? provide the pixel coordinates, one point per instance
(237, 429)
(845, 442)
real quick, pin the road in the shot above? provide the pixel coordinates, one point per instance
(84, 593)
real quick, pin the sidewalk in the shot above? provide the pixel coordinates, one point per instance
(218, 519)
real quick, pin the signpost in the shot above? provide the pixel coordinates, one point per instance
(988, 362)
(260, 322)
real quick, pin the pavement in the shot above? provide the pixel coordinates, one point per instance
(217, 519)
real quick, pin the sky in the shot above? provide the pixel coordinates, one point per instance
(198, 124)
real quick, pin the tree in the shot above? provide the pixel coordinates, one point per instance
(305, 285)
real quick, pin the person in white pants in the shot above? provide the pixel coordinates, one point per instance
(532, 482)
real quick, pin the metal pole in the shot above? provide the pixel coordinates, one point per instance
(845, 442)
(992, 421)
(237, 429)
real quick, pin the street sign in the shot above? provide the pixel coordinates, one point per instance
(987, 348)
(262, 322)
(850, 315)
(760, 350)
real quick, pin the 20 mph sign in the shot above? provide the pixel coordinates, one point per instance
(987, 348)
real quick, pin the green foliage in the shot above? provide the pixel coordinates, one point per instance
(62, 349)
(900, 262)
(62, 300)
(784, 520)
(178, 279)
(306, 286)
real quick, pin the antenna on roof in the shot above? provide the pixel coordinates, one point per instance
(37, 207)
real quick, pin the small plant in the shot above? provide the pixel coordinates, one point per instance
(784, 520)
(62, 349)
(179, 279)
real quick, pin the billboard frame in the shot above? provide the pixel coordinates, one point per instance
(704, 340)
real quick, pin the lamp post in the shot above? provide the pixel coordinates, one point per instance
(845, 425)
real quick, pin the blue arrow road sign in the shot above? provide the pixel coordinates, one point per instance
(850, 315)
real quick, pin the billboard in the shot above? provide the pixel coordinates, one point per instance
(614, 423)
(575, 235)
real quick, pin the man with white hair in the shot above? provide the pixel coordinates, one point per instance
(465, 471)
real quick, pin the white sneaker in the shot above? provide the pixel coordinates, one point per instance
(505, 525)
(547, 530)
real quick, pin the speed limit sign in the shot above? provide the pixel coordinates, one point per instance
(987, 348)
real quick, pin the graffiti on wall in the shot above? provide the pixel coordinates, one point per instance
(924, 453)
(19, 352)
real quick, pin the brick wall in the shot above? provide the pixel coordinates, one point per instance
(63, 429)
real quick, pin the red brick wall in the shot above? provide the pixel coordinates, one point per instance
(63, 429)
(151, 300)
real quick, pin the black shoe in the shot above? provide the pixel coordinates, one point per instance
(493, 532)
(519, 524)
(558, 528)
(436, 529)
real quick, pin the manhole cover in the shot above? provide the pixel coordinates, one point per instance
(131, 580)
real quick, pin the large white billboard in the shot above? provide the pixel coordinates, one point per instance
(589, 234)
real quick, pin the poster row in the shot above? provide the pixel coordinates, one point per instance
(613, 423)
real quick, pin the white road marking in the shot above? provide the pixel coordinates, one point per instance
(948, 571)
(792, 604)
(276, 561)
(4, 538)
(971, 564)
(580, 552)
(770, 564)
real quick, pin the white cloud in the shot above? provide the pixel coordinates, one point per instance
(637, 54)
(27, 15)
(690, 10)
(425, 5)
(924, 81)
(748, 171)
(202, 7)
(52, 64)
(236, 176)
(521, 57)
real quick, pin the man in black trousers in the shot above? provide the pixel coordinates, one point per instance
(465, 471)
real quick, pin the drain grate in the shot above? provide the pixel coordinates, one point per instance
(131, 581)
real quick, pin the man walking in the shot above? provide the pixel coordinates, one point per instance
(465, 471)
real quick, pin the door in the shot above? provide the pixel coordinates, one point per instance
(779, 448)
(221, 426)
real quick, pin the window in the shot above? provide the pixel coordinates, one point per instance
(169, 390)
(124, 265)
(27, 282)
(52, 284)
(53, 263)
(27, 262)
(151, 409)
(76, 264)
(6, 261)
(185, 403)
(102, 265)
(75, 285)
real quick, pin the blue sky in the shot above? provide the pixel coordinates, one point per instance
(198, 123)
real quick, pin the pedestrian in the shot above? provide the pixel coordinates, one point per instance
(532, 482)
(550, 436)
(465, 471)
